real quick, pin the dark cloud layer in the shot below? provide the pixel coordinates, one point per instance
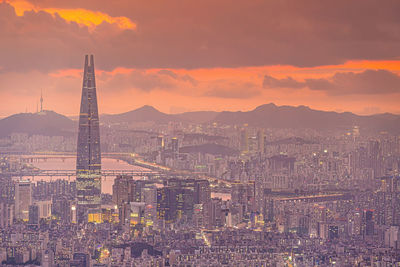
(232, 89)
(288, 82)
(207, 33)
(341, 83)
(146, 81)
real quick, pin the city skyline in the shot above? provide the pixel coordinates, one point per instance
(282, 164)
(292, 56)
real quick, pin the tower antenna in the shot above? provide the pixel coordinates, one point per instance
(41, 100)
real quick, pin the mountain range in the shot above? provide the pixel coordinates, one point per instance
(266, 116)
(149, 113)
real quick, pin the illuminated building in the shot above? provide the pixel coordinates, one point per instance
(132, 213)
(23, 199)
(333, 231)
(150, 198)
(368, 222)
(215, 215)
(183, 197)
(175, 145)
(137, 210)
(121, 188)
(136, 187)
(81, 259)
(244, 194)
(109, 213)
(88, 163)
(163, 205)
(160, 142)
(176, 200)
(44, 208)
(6, 214)
(95, 216)
(261, 141)
(62, 209)
(125, 189)
(202, 192)
(244, 141)
(33, 215)
(198, 215)
(7, 189)
(73, 214)
(281, 163)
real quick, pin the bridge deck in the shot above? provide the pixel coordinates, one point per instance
(66, 173)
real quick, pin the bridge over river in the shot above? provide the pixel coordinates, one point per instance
(72, 173)
(146, 170)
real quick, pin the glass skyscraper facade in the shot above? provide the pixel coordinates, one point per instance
(88, 162)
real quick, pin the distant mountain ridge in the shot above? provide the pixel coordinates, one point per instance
(265, 116)
(302, 117)
(149, 113)
(145, 113)
(268, 116)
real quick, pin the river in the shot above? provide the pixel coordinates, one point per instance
(70, 164)
(106, 164)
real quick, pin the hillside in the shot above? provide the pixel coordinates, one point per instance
(44, 123)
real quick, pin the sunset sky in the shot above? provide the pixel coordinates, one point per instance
(187, 55)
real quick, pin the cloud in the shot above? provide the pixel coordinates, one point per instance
(90, 18)
(288, 82)
(232, 89)
(342, 83)
(366, 82)
(79, 15)
(145, 80)
(39, 40)
(198, 34)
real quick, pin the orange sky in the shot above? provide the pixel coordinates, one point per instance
(186, 57)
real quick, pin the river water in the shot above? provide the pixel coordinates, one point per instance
(106, 164)
(70, 164)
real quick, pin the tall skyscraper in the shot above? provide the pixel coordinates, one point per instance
(88, 162)
(23, 199)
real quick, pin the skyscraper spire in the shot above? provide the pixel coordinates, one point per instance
(88, 162)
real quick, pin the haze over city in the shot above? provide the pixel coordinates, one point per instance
(199, 133)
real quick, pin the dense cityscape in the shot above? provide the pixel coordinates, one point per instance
(199, 194)
(200, 133)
